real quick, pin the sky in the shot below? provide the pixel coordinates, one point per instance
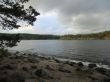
(69, 17)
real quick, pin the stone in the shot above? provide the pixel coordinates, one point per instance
(49, 68)
(43, 73)
(92, 65)
(62, 69)
(93, 78)
(33, 67)
(32, 60)
(58, 61)
(78, 69)
(101, 70)
(71, 63)
(80, 64)
(25, 69)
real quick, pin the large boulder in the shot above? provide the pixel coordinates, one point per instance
(32, 60)
(43, 73)
(70, 63)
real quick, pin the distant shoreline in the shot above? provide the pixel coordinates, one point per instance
(92, 36)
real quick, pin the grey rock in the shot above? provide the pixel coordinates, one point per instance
(43, 73)
(101, 70)
(62, 69)
(25, 69)
(32, 60)
(33, 67)
(92, 65)
(80, 64)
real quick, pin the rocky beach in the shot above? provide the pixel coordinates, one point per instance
(23, 67)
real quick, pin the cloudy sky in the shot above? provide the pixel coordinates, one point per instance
(69, 17)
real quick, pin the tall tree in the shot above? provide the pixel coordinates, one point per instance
(12, 12)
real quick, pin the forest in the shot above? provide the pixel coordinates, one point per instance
(93, 36)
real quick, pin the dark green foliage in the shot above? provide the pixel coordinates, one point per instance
(32, 36)
(8, 41)
(12, 11)
(37, 37)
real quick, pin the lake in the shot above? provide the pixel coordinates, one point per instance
(96, 51)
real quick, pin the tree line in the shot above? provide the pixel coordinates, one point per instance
(93, 36)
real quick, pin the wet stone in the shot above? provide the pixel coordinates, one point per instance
(25, 69)
(92, 65)
(80, 64)
(43, 73)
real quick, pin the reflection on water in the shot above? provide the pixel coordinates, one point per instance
(85, 50)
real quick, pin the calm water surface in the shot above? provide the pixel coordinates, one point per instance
(97, 51)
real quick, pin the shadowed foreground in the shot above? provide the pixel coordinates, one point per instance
(21, 67)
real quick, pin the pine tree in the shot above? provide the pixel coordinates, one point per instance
(12, 12)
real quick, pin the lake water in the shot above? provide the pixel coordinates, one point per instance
(97, 51)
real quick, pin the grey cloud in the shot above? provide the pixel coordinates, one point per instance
(92, 15)
(92, 20)
(75, 6)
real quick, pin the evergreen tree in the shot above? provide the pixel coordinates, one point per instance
(12, 12)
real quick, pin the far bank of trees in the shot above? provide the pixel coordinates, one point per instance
(95, 36)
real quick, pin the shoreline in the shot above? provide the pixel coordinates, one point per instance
(28, 67)
(63, 59)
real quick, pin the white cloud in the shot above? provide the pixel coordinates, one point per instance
(82, 16)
